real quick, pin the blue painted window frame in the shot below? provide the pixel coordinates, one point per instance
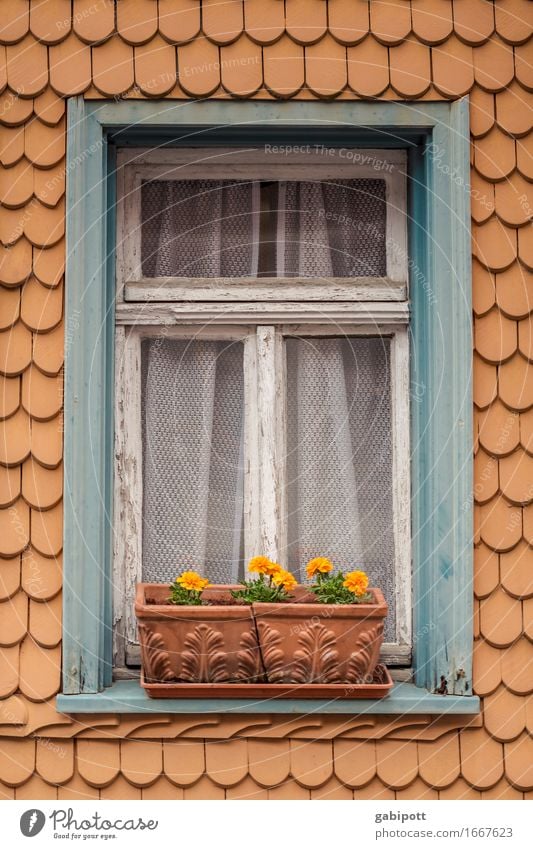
(436, 136)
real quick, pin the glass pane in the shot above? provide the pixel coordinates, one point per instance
(339, 458)
(193, 419)
(333, 229)
(199, 228)
(223, 228)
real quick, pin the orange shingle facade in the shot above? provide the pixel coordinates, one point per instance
(307, 49)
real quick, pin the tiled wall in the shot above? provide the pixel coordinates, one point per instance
(395, 49)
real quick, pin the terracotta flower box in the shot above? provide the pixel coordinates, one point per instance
(209, 644)
(299, 648)
(306, 643)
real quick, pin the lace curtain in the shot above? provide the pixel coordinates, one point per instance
(193, 421)
(214, 228)
(339, 457)
(328, 229)
(199, 228)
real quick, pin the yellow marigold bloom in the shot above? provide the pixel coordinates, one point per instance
(319, 564)
(263, 565)
(285, 579)
(192, 581)
(356, 582)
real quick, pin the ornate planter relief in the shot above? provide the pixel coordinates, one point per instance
(209, 644)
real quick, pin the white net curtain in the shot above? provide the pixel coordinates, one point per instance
(331, 229)
(214, 228)
(199, 228)
(339, 457)
(193, 420)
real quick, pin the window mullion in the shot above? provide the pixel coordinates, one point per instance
(268, 425)
(252, 535)
(280, 373)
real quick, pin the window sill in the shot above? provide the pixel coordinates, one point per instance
(128, 697)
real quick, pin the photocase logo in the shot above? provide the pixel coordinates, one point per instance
(32, 822)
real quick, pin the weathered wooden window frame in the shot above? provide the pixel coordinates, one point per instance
(436, 136)
(264, 481)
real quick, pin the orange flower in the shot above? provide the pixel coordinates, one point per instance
(263, 566)
(285, 579)
(274, 569)
(192, 581)
(319, 564)
(356, 582)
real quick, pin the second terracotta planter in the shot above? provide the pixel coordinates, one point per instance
(306, 643)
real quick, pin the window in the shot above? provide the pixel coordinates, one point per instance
(265, 435)
(434, 139)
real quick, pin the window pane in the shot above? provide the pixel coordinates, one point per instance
(339, 458)
(220, 228)
(333, 229)
(199, 228)
(193, 417)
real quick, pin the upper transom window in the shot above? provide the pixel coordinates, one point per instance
(203, 224)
